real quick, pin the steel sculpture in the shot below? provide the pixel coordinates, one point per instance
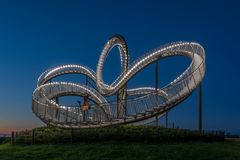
(147, 102)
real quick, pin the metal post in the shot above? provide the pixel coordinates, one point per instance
(71, 135)
(57, 113)
(16, 135)
(156, 120)
(200, 107)
(156, 86)
(33, 136)
(121, 102)
(57, 100)
(156, 79)
(86, 82)
(79, 105)
(12, 138)
(166, 120)
(84, 116)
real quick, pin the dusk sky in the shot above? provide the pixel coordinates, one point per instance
(38, 35)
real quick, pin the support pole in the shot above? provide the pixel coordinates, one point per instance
(57, 114)
(156, 79)
(156, 120)
(16, 135)
(200, 107)
(33, 136)
(121, 102)
(80, 109)
(156, 86)
(57, 100)
(72, 135)
(12, 138)
(86, 82)
(166, 120)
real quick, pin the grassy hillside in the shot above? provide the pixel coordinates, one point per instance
(123, 150)
(119, 142)
(126, 133)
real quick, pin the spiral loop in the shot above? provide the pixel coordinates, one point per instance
(103, 113)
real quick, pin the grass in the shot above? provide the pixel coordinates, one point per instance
(126, 133)
(123, 150)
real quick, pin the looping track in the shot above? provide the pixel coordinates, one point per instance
(104, 113)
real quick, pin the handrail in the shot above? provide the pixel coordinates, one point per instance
(104, 112)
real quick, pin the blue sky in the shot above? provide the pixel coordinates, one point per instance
(37, 35)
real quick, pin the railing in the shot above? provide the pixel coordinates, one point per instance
(105, 113)
(138, 108)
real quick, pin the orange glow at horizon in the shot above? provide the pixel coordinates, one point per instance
(15, 128)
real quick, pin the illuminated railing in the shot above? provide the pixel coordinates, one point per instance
(145, 106)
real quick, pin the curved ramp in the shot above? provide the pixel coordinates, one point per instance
(146, 103)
